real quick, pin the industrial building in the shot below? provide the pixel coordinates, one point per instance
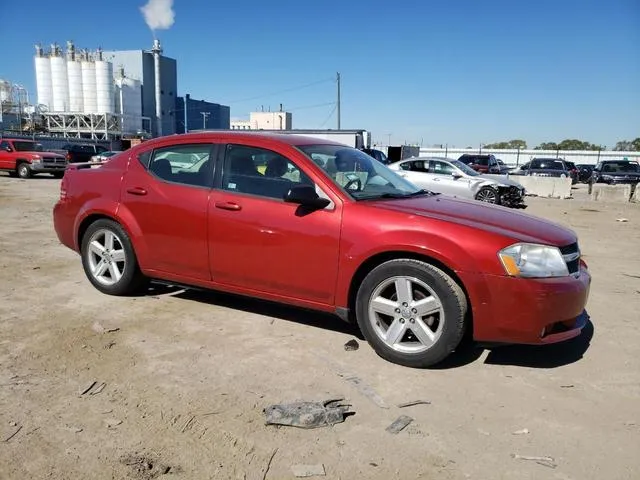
(198, 114)
(105, 95)
(280, 120)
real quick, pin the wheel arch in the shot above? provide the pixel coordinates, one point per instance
(379, 258)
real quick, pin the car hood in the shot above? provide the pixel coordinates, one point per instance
(42, 154)
(502, 221)
(503, 180)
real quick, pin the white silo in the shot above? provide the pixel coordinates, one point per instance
(74, 74)
(89, 94)
(104, 85)
(44, 87)
(59, 80)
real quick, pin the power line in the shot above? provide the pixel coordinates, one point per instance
(335, 107)
(292, 89)
(306, 107)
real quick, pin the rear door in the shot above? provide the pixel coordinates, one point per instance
(167, 191)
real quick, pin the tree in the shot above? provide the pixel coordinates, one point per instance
(569, 144)
(628, 145)
(511, 144)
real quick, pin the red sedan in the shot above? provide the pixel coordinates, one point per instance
(324, 226)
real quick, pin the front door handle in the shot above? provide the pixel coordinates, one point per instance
(136, 191)
(228, 206)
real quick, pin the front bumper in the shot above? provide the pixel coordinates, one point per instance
(532, 311)
(47, 167)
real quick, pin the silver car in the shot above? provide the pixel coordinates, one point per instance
(452, 177)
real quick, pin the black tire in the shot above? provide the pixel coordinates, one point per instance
(488, 195)
(132, 280)
(23, 170)
(58, 174)
(452, 299)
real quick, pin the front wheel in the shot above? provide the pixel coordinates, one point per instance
(411, 313)
(24, 171)
(109, 260)
(488, 195)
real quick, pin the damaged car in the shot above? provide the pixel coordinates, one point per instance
(453, 177)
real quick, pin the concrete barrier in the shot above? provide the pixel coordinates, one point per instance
(635, 197)
(550, 187)
(611, 193)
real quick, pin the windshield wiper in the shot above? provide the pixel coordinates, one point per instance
(418, 193)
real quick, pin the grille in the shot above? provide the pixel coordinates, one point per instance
(60, 161)
(571, 255)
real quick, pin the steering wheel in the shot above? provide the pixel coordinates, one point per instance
(355, 181)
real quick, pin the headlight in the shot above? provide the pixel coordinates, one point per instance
(530, 260)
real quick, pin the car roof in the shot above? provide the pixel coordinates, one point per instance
(227, 135)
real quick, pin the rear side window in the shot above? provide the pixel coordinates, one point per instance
(186, 164)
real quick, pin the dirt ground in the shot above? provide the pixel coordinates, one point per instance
(186, 376)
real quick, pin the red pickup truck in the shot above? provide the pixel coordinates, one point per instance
(26, 158)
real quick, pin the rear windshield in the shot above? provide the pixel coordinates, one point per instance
(621, 167)
(548, 164)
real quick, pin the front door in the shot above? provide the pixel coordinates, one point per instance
(258, 242)
(6, 159)
(166, 191)
(441, 173)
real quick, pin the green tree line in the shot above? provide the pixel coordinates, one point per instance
(568, 144)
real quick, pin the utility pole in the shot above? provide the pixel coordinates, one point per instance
(205, 115)
(338, 81)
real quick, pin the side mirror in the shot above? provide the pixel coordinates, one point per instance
(306, 196)
(8, 149)
(456, 175)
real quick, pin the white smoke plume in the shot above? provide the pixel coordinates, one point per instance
(158, 14)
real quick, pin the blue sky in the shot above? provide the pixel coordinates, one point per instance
(460, 72)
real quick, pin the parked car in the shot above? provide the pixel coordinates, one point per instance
(25, 158)
(481, 163)
(584, 172)
(452, 177)
(504, 168)
(616, 172)
(104, 156)
(82, 152)
(377, 154)
(544, 167)
(329, 228)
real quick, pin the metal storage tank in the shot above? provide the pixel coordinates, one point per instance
(89, 95)
(44, 87)
(130, 104)
(104, 85)
(59, 81)
(74, 72)
(5, 91)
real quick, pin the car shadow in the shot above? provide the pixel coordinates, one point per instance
(278, 311)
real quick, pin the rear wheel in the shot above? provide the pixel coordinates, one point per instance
(411, 312)
(109, 260)
(24, 171)
(488, 195)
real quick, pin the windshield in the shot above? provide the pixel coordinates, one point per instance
(621, 167)
(466, 169)
(27, 147)
(357, 174)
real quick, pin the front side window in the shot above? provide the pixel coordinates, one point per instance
(261, 172)
(357, 174)
(27, 147)
(186, 164)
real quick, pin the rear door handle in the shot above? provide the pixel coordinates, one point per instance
(136, 191)
(228, 206)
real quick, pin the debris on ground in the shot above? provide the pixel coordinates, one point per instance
(302, 471)
(307, 414)
(399, 424)
(147, 467)
(569, 385)
(73, 429)
(545, 461)
(623, 220)
(112, 422)
(13, 434)
(98, 389)
(414, 402)
(367, 391)
(351, 345)
(524, 431)
(266, 470)
(88, 388)
(99, 328)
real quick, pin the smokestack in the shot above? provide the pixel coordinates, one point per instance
(156, 51)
